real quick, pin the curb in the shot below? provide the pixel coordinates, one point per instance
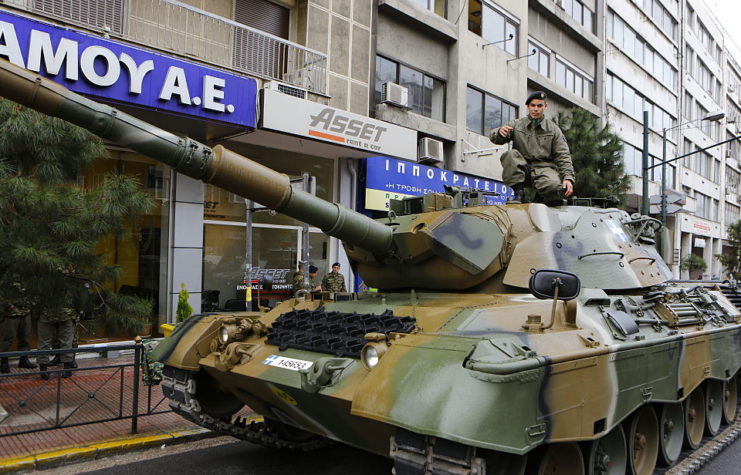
(98, 450)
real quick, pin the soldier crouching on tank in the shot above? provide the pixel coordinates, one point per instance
(540, 155)
(15, 322)
(334, 281)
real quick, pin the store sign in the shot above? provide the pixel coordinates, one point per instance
(389, 178)
(701, 228)
(99, 67)
(293, 115)
(282, 279)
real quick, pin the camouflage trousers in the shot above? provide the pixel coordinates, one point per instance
(543, 176)
(63, 330)
(12, 328)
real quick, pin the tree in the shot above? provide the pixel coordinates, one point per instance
(732, 260)
(184, 309)
(693, 263)
(597, 156)
(49, 225)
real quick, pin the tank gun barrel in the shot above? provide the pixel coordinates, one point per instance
(218, 166)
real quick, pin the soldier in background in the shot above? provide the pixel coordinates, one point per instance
(334, 281)
(59, 324)
(298, 279)
(15, 322)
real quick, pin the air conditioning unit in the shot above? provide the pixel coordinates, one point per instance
(286, 89)
(728, 153)
(559, 3)
(731, 89)
(430, 151)
(392, 93)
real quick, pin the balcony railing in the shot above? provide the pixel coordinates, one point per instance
(189, 31)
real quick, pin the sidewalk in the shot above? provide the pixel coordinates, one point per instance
(91, 394)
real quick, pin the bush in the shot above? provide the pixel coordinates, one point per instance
(184, 309)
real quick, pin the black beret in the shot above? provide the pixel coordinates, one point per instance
(536, 95)
(313, 269)
(336, 264)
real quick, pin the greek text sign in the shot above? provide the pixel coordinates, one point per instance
(285, 113)
(96, 66)
(388, 178)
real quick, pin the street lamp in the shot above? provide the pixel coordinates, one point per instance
(710, 118)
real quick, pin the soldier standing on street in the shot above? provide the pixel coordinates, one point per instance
(334, 281)
(15, 321)
(540, 154)
(59, 324)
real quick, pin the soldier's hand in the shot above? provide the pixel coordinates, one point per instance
(505, 130)
(569, 187)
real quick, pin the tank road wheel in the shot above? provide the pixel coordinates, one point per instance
(671, 432)
(713, 406)
(607, 455)
(558, 459)
(730, 400)
(694, 418)
(643, 441)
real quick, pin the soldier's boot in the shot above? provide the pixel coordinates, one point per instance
(519, 190)
(4, 365)
(44, 375)
(67, 373)
(24, 362)
(55, 361)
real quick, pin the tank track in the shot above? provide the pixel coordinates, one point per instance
(179, 387)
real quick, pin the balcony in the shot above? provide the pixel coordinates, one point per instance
(173, 26)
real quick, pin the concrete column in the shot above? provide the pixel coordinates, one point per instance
(707, 255)
(686, 250)
(186, 242)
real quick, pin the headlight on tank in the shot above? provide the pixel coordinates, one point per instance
(226, 333)
(372, 353)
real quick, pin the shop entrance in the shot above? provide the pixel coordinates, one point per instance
(276, 251)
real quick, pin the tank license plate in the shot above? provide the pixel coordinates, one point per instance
(287, 363)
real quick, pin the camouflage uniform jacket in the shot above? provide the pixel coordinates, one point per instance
(542, 144)
(19, 306)
(334, 283)
(298, 281)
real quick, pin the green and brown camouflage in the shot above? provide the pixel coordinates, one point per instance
(454, 364)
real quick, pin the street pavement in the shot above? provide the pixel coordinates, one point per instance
(225, 455)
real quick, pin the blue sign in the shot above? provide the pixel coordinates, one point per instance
(96, 66)
(390, 178)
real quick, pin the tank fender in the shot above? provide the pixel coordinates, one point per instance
(188, 343)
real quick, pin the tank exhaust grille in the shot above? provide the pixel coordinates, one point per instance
(335, 333)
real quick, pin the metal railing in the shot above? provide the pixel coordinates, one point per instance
(186, 30)
(92, 394)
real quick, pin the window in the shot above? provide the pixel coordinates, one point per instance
(632, 103)
(574, 80)
(732, 180)
(541, 60)
(485, 112)
(493, 25)
(580, 12)
(731, 214)
(437, 6)
(636, 48)
(633, 160)
(656, 11)
(426, 93)
(706, 207)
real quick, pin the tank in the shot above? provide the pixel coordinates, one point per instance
(501, 339)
